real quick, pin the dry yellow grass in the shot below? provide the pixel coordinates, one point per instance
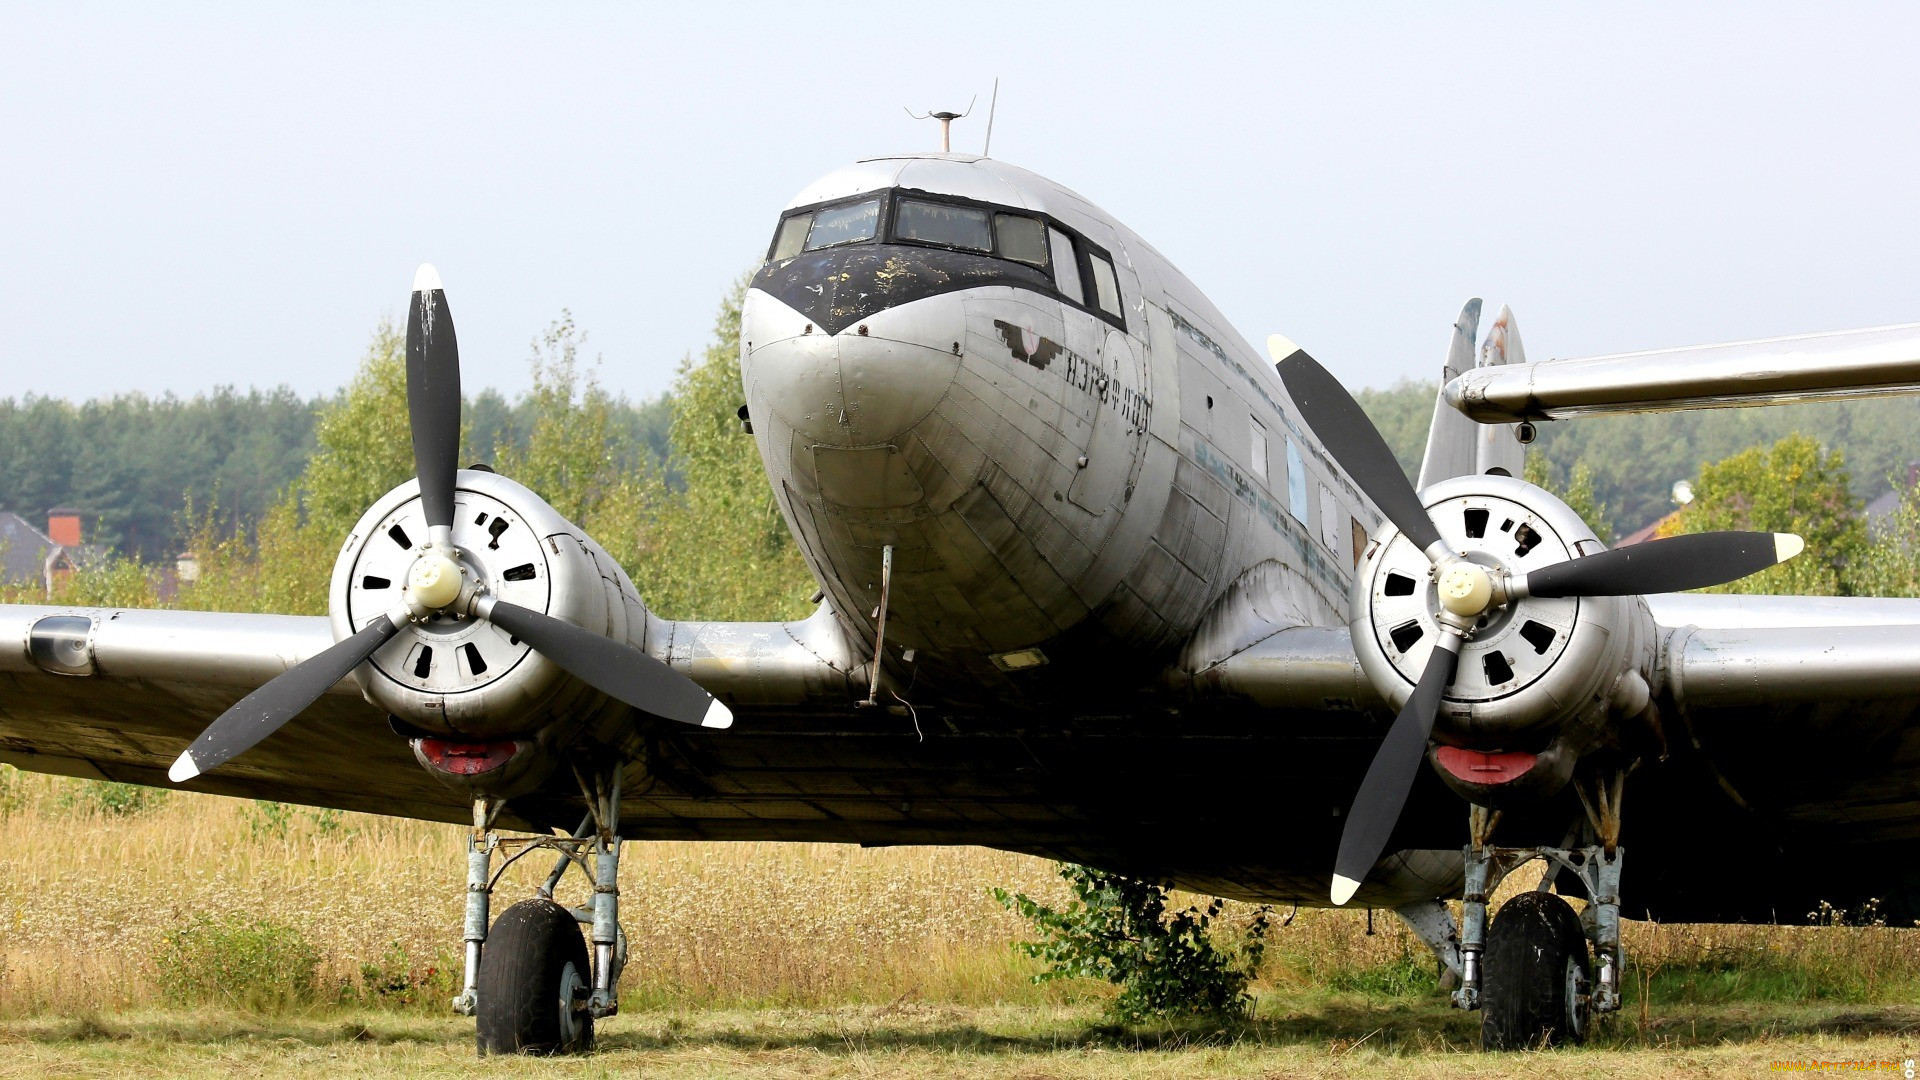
(87, 898)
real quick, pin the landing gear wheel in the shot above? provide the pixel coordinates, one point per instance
(1534, 976)
(533, 972)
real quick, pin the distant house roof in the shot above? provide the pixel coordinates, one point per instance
(23, 551)
(1641, 536)
(1880, 511)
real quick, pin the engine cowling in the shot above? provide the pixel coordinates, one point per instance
(465, 678)
(1541, 680)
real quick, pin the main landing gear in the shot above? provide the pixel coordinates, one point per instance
(1530, 973)
(531, 985)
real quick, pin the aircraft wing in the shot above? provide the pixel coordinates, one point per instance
(1730, 651)
(142, 684)
(1809, 367)
(1808, 708)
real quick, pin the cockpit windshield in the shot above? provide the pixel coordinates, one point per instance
(830, 227)
(960, 227)
(1081, 273)
(844, 225)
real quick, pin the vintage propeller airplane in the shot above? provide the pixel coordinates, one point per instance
(1095, 583)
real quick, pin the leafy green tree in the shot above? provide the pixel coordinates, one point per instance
(1889, 564)
(577, 455)
(719, 549)
(1121, 930)
(1795, 486)
(128, 461)
(1403, 413)
(363, 449)
(1577, 493)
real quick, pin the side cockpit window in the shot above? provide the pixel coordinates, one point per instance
(1106, 288)
(792, 236)
(1066, 269)
(959, 227)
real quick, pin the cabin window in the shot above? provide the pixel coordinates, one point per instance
(1105, 287)
(1021, 239)
(1066, 269)
(792, 236)
(1258, 450)
(1331, 533)
(959, 227)
(849, 224)
(1296, 483)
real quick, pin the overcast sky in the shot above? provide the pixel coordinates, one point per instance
(197, 194)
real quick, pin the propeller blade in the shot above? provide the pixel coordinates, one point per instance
(433, 395)
(1693, 561)
(612, 667)
(1352, 440)
(1377, 805)
(284, 697)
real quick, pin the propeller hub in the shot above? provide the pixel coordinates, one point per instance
(434, 581)
(1465, 588)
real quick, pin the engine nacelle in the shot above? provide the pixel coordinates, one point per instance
(465, 678)
(1540, 678)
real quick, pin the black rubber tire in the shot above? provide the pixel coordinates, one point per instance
(522, 966)
(1534, 949)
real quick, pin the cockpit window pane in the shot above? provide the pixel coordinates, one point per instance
(1066, 270)
(793, 234)
(1021, 238)
(948, 226)
(844, 225)
(1105, 287)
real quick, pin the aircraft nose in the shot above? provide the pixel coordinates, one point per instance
(867, 385)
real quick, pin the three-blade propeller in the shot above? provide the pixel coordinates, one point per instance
(1466, 590)
(435, 584)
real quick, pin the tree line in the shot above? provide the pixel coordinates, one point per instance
(147, 472)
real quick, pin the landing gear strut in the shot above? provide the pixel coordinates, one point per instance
(530, 984)
(1530, 976)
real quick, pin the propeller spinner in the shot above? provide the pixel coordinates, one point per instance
(1467, 590)
(439, 583)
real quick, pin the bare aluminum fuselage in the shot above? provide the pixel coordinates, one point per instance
(1049, 477)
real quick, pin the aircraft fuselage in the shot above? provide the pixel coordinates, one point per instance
(1070, 454)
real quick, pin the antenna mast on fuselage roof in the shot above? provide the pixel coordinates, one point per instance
(946, 122)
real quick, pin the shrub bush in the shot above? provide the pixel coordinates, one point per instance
(107, 797)
(1166, 964)
(396, 981)
(254, 963)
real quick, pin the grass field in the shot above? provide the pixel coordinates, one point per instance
(169, 935)
(1332, 1036)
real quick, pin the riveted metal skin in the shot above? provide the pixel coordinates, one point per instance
(1049, 475)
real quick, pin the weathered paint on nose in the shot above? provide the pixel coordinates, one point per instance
(867, 385)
